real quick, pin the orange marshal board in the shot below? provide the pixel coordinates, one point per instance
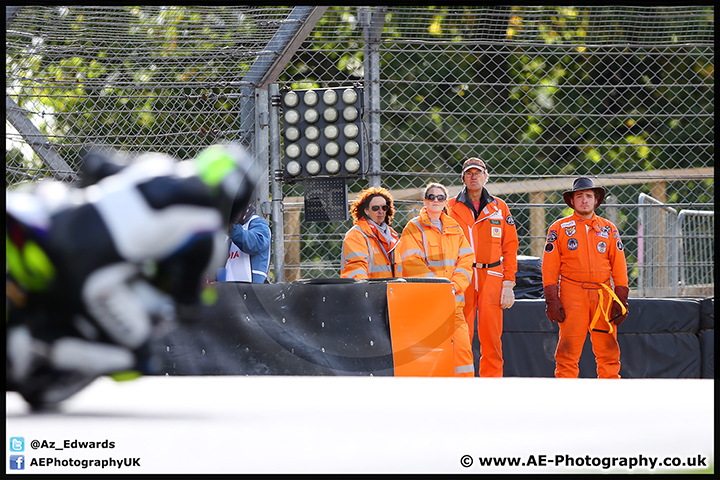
(422, 317)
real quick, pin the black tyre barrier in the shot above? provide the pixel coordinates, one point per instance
(427, 280)
(707, 337)
(284, 329)
(342, 328)
(528, 278)
(328, 281)
(661, 338)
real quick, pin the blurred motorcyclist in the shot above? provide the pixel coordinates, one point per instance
(93, 273)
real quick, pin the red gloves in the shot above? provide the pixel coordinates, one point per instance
(553, 308)
(622, 294)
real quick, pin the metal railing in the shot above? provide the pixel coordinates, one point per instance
(676, 254)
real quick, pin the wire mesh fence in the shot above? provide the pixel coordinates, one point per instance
(167, 79)
(540, 93)
(622, 94)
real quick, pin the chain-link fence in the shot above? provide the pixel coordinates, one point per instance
(133, 78)
(544, 94)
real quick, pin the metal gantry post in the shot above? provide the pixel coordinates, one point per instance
(262, 121)
(372, 33)
(38, 141)
(278, 220)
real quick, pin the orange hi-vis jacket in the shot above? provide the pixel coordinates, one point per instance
(493, 236)
(575, 253)
(425, 251)
(366, 252)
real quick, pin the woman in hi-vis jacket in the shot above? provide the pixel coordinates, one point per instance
(433, 245)
(367, 249)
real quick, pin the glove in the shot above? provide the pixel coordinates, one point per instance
(124, 307)
(616, 311)
(507, 297)
(553, 308)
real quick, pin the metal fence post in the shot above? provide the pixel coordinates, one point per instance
(372, 32)
(262, 120)
(37, 140)
(277, 203)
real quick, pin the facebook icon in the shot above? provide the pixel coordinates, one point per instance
(17, 462)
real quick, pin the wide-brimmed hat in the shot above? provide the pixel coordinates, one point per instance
(473, 163)
(584, 183)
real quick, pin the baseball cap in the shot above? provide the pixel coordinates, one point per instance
(473, 163)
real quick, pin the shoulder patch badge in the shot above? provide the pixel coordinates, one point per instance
(620, 245)
(510, 220)
(549, 247)
(552, 236)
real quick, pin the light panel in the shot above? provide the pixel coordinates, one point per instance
(322, 130)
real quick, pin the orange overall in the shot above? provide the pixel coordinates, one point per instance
(584, 255)
(493, 238)
(425, 251)
(366, 253)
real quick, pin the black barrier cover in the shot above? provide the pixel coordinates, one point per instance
(528, 278)
(529, 340)
(707, 313)
(707, 337)
(707, 359)
(282, 329)
(662, 315)
(658, 340)
(659, 355)
(341, 327)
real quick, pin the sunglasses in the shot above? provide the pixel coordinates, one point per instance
(432, 197)
(375, 208)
